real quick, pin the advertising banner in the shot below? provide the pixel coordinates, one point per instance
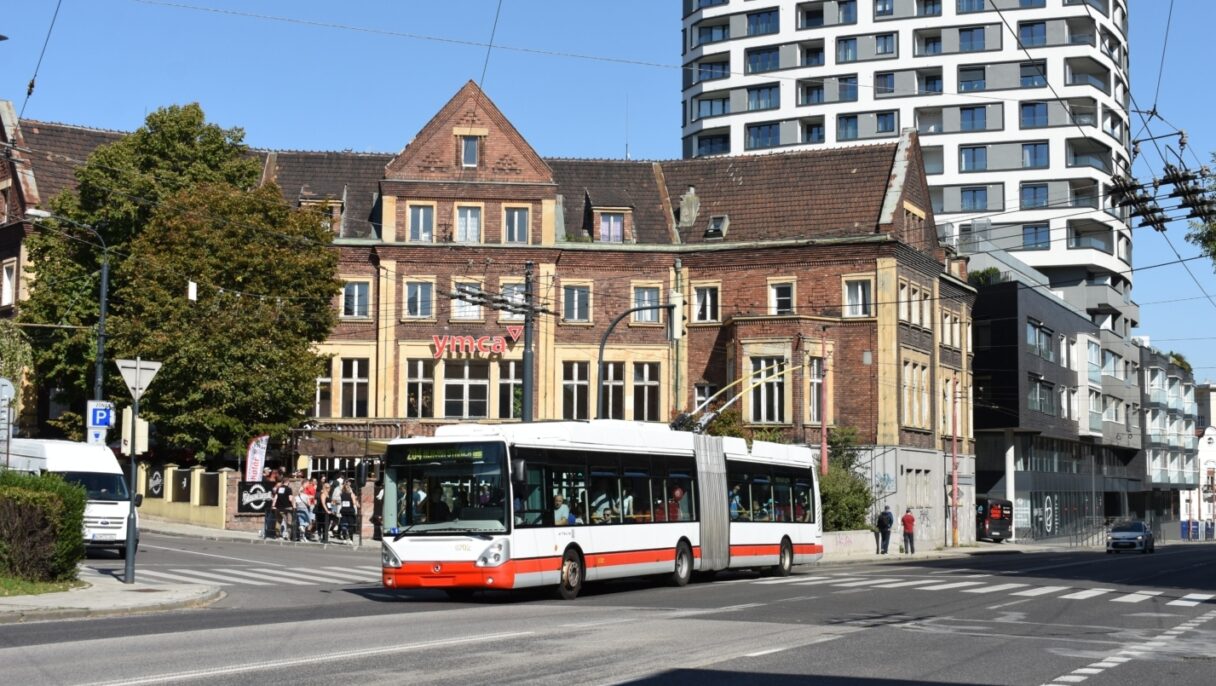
(253, 497)
(255, 459)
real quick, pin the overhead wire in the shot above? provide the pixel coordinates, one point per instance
(38, 66)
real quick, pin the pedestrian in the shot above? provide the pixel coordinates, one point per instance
(321, 510)
(268, 483)
(348, 510)
(909, 523)
(303, 503)
(377, 518)
(886, 520)
(284, 508)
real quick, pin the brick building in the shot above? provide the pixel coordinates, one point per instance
(781, 259)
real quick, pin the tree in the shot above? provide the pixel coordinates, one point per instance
(118, 190)
(240, 360)
(16, 357)
(845, 494)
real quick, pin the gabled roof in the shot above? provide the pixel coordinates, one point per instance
(588, 184)
(353, 178)
(57, 149)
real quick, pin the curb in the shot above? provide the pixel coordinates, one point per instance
(43, 615)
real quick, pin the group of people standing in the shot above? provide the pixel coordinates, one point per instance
(311, 509)
(886, 521)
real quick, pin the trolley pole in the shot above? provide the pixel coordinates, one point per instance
(954, 461)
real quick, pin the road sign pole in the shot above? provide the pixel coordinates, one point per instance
(138, 374)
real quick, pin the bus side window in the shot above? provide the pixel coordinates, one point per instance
(781, 499)
(804, 505)
(635, 488)
(739, 498)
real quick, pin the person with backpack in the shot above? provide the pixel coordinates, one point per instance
(886, 520)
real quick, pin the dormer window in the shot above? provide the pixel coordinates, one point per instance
(612, 227)
(717, 227)
(468, 151)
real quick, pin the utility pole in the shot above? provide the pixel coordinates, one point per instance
(529, 359)
(823, 404)
(954, 461)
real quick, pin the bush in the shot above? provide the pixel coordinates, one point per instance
(845, 494)
(41, 525)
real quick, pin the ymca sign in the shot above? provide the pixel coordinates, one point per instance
(475, 345)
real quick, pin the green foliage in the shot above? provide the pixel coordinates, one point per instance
(728, 423)
(41, 519)
(984, 277)
(845, 494)
(16, 356)
(119, 189)
(234, 364)
(1178, 359)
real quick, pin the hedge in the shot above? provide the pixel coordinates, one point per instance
(41, 526)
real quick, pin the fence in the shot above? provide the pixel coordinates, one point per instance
(190, 495)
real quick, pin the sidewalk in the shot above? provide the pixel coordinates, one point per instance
(895, 557)
(153, 525)
(106, 596)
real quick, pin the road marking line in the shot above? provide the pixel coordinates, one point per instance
(1118, 660)
(1042, 590)
(1135, 597)
(374, 570)
(1071, 679)
(316, 659)
(946, 587)
(177, 578)
(1105, 664)
(277, 578)
(317, 576)
(812, 582)
(1086, 670)
(770, 651)
(220, 577)
(342, 571)
(994, 589)
(904, 584)
(1192, 599)
(787, 580)
(865, 582)
(222, 557)
(1088, 593)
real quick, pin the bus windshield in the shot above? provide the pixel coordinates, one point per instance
(451, 488)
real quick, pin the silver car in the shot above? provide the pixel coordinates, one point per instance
(1131, 536)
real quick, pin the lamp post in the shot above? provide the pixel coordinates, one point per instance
(99, 362)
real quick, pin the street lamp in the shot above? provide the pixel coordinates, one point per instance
(99, 363)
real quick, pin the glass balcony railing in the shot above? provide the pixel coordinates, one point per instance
(1082, 79)
(1191, 443)
(1161, 475)
(1094, 161)
(1157, 436)
(1175, 402)
(1156, 395)
(1190, 408)
(1185, 477)
(1095, 421)
(1095, 373)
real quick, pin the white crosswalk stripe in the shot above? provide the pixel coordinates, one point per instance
(864, 582)
(905, 584)
(1087, 594)
(218, 576)
(1191, 600)
(1041, 590)
(995, 589)
(253, 576)
(786, 580)
(178, 578)
(827, 580)
(307, 575)
(1137, 597)
(264, 577)
(950, 586)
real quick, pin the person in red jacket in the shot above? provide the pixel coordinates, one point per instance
(909, 523)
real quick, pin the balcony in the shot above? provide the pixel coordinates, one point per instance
(1096, 240)
(1191, 443)
(1157, 396)
(1095, 373)
(1095, 421)
(1157, 436)
(1184, 477)
(1175, 403)
(1175, 440)
(1190, 409)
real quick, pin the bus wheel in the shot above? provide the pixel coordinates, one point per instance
(785, 563)
(683, 570)
(572, 575)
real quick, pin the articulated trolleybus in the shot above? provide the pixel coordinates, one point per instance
(561, 503)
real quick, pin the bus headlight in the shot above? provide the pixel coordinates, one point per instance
(388, 558)
(497, 553)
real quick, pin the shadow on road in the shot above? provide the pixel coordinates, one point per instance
(698, 677)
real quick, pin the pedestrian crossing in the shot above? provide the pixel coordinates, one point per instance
(980, 584)
(235, 575)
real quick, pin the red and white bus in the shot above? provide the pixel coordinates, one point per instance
(562, 503)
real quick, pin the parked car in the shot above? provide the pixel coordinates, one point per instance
(1134, 536)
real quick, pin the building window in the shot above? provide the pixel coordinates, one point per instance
(510, 389)
(466, 389)
(846, 50)
(646, 391)
(703, 392)
(932, 45)
(1034, 75)
(354, 299)
(847, 88)
(858, 300)
(813, 57)
(1034, 195)
(576, 303)
(612, 227)
(885, 122)
(768, 395)
(354, 387)
(323, 402)
(712, 34)
(763, 59)
(781, 298)
(1036, 237)
(846, 127)
(929, 8)
(970, 6)
(512, 293)
(419, 299)
(712, 107)
(763, 98)
(646, 296)
(516, 225)
(463, 308)
(884, 84)
(1034, 115)
(419, 388)
(813, 133)
(614, 391)
(971, 79)
(973, 118)
(971, 40)
(422, 223)
(846, 11)
(815, 400)
(717, 144)
(1040, 341)
(975, 199)
(903, 301)
(468, 151)
(575, 386)
(468, 224)
(931, 83)
(884, 44)
(974, 158)
(1032, 34)
(884, 8)
(1034, 155)
(707, 71)
(706, 304)
(8, 284)
(761, 23)
(763, 136)
(1042, 396)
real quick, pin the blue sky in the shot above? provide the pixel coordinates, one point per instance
(577, 78)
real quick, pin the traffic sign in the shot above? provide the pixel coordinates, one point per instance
(96, 436)
(7, 390)
(138, 374)
(100, 414)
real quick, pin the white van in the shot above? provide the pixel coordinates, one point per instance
(91, 466)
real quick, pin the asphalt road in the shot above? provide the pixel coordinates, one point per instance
(1072, 617)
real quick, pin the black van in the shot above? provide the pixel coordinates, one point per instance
(993, 519)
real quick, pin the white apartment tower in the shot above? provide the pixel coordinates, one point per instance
(1021, 108)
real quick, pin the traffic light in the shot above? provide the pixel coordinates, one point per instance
(677, 316)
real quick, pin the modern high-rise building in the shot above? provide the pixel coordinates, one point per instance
(1021, 107)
